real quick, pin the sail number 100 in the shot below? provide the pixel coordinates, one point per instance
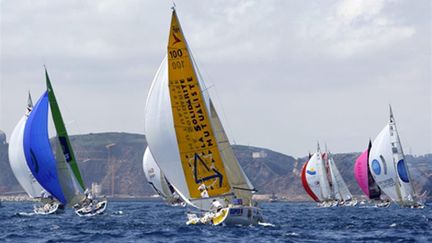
(175, 54)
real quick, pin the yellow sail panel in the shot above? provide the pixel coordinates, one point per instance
(199, 154)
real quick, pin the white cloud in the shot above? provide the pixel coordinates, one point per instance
(274, 63)
(351, 28)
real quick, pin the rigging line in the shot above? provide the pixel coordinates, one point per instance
(216, 93)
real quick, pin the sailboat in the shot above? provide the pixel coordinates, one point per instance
(315, 179)
(339, 189)
(365, 179)
(189, 144)
(22, 171)
(57, 173)
(388, 167)
(157, 180)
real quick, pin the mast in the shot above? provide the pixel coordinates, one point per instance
(62, 133)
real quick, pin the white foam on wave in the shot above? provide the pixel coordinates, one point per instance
(266, 224)
(25, 214)
(118, 212)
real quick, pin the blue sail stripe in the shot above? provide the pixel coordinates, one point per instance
(38, 151)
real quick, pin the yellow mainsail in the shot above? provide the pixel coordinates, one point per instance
(199, 154)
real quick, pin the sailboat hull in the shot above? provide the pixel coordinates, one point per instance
(55, 208)
(240, 216)
(92, 211)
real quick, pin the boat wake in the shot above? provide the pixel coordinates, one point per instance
(24, 214)
(118, 212)
(266, 224)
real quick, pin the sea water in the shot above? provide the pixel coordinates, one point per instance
(154, 221)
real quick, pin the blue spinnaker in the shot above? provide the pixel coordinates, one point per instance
(38, 151)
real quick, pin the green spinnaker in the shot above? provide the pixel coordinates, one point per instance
(62, 133)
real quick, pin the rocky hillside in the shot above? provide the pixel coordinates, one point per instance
(99, 155)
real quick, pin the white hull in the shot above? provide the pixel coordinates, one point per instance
(89, 211)
(55, 208)
(383, 204)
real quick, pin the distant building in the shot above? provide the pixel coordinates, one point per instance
(259, 155)
(96, 189)
(295, 170)
(2, 137)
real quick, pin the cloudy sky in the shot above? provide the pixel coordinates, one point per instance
(284, 74)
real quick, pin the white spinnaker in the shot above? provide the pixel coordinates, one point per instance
(313, 176)
(18, 161)
(160, 132)
(155, 176)
(342, 187)
(404, 178)
(381, 165)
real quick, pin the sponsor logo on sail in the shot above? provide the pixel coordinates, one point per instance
(376, 167)
(176, 39)
(403, 174)
(312, 171)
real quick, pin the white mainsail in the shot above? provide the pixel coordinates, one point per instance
(323, 177)
(340, 188)
(334, 185)
(18, 161)
(240, 183)
(404, 178)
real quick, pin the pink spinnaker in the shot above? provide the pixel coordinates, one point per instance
(361, 172)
